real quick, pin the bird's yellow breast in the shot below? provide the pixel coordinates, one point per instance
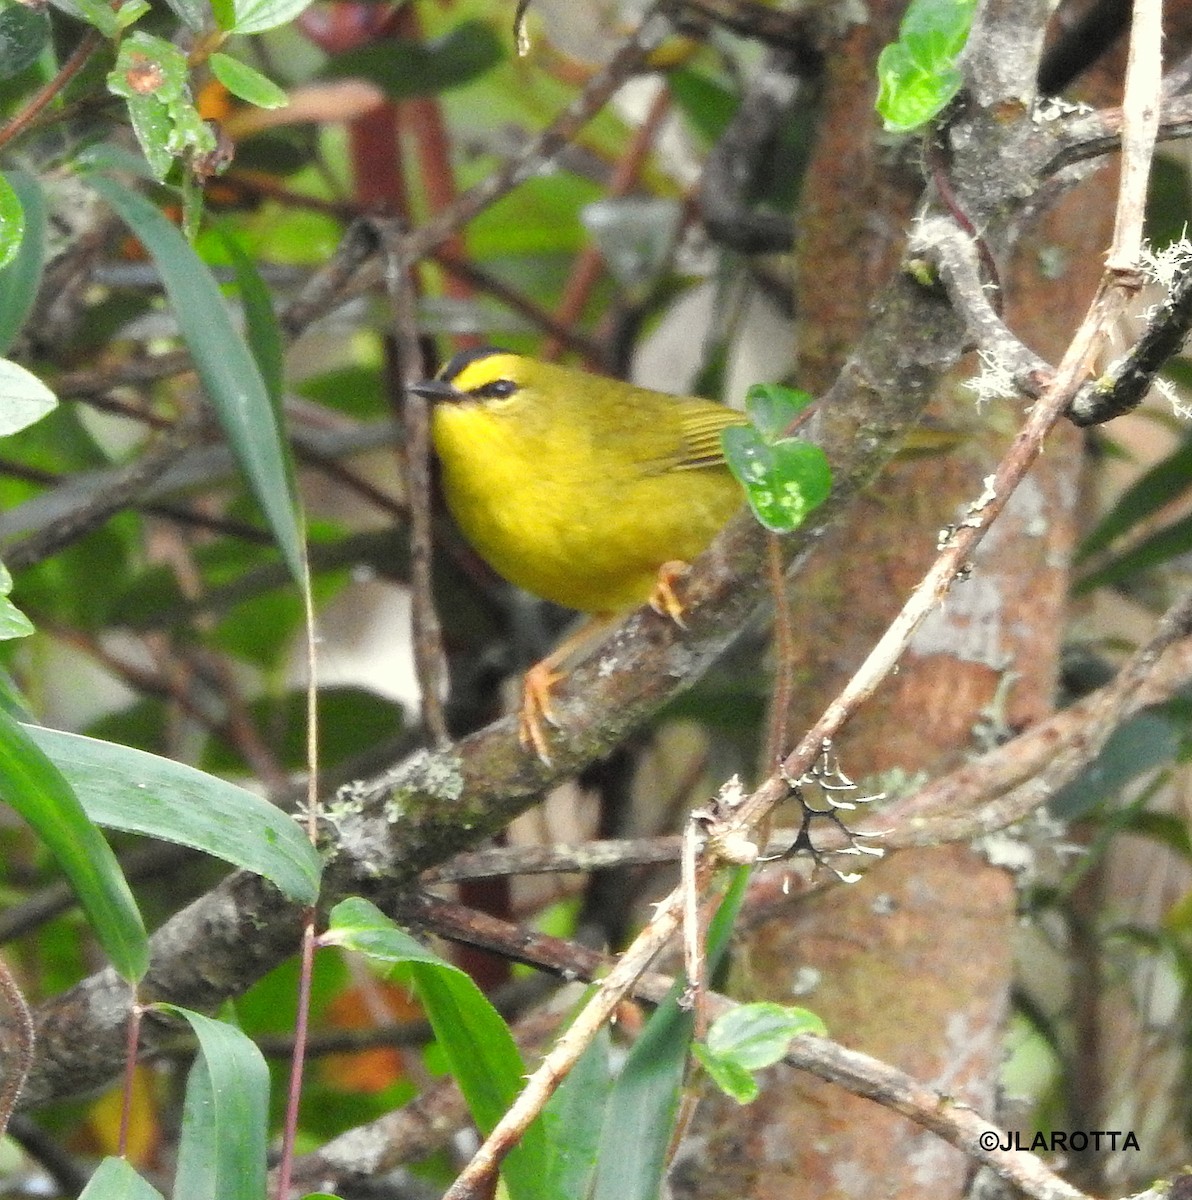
(579, 506)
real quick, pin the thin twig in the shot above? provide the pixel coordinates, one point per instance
(932, 816)
(1140, 128)
(429, 659)
(24, 1038)
(294, 1090)
(784, 656)
(73, 65)
(954, 252)
(1122, 388)
(589, 265)
(353, 279)
(935, 1110)
(126, 485)
(132, 1042)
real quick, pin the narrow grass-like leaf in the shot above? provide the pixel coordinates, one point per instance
(260, 320)
(20, 280)
(359, 925)
(1161, 547)
(641, 1110)
(573, 1118)
(221, 1155)
(115, 1179)
(640, 1114)
(123, 788)
(224, 363)
(34, 787)
(479, 1048)
(1165, 482)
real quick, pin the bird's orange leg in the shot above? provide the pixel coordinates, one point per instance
(663, 599)
(536, 707)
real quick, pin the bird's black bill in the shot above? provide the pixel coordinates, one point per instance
(434, 389)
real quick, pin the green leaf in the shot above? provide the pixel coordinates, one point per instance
(255, 16)
(731, 1078)
(1163, 483)
(1168, 201)
(24, 399)
(708, 106)
(190, 133)
(12, 222)
(152, 124)
(130, 11)
(11, 699)
(641, 1109)
(482, 1054)
(148, 65)
(917, 75)
(95, 12)
(13, 622)
(115, 1179)
(1148, 740)
(352, 721)
(909, 95)
(21, 278)
(773, 408)
(153, 76)
(34, 787)
(261, 324)
(196, 15)
(939, 27)
(359, 925)
(246, 82)
(572, 1119)
(225, 1118)
(123, 788)
(24, 31)
(757, 1035)
(783, 480)
(406, 68)
(1161, 547)
(225, 365)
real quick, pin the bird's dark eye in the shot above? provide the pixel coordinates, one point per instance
(499, 389)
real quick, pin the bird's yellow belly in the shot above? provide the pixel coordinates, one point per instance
(600, 550)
